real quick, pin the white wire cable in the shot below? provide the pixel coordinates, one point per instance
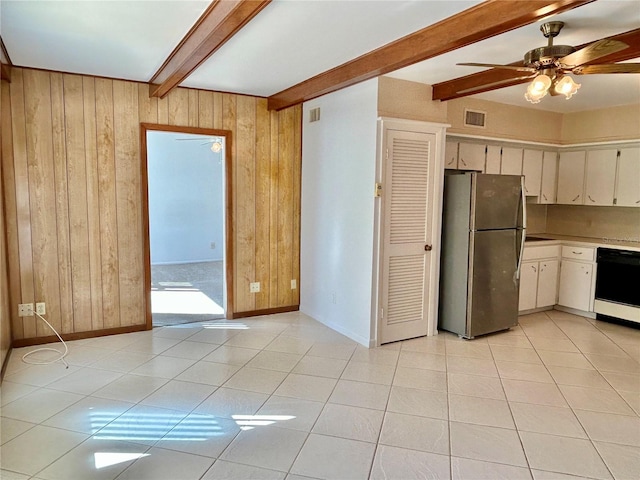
(48, 349)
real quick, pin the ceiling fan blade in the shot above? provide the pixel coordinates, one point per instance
(607, 68)
(494, 65)
(493, 85)
(592, 52)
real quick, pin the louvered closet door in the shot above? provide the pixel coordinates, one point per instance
(405, 262)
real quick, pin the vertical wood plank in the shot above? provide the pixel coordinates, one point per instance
(228, 109)
(193, 107)
(42, 195)
(245, 203)
(296, 160)
(128, 200)
(78, 211)
(205, 109)
(262, 201)
(11, 220)
(147, 106)
(163, 111)
(107, 201)
(179, 107)
(273, 210)
(59, 152)
(93, 201)
(217, 110)
(23, 209)
(285, 202)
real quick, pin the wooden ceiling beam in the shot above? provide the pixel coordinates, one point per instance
(219, 22)
(479, 22)
(486, 80)
(5, 68)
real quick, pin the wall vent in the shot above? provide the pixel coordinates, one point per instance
(475, 118)
(314, 114)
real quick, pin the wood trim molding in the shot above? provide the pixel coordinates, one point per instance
(5, 68)
(266, 311)
(451, 89)
(67, 337)
(144, 128)
(479, 22)
(219, 22)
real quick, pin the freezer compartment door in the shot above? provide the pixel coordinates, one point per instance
(493, 283)
(497, 202)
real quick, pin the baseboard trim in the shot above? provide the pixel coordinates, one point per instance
(266, 311)
(27, 342)
(581, 313)
(5, 363)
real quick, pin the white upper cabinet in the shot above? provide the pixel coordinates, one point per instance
(532, 171)
(471, 156)
(628, 184)
(493, 159)
(451, 155)
(571, 169)
(549, 171)
(511, 161)
(601, 177)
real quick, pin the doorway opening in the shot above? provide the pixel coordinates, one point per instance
(186, 215)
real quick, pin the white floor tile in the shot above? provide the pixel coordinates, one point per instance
(524, 371)
(88, 415)
(330, 457)
(122, 361)
(533, 392)
(37, 406)
(226, 402)
(413, 401)
(423, 379)
(130, 388)
(304, 412)
(369, 372)
(10, 391)
(610, 428)
(626, 382)
(595, 399)
(249, 339)
(222, 470)
(489, 444)
(392, 463)
(380, 356)
(7, 475)
(151, 345)
(428, 361)
(266, 447)
(256, 380)
(515, 354)
(565, 359)
(480, 411)
(279, 361)
(415, 433)
(354, 423)
(288, 344)
(320, 366)
(41, 375)
(577, 376)
(162, 464)
(10, 428)
(359, 394)
(231, 355)
(547, 419)
(472, 366)
(566, 455)
(331, 350)
(85, 381)
(37, 448)
(178, 395)
(163, 367)
(475, 385)
(190, 350)
(306, 387)
(623, 461)
(466, 469)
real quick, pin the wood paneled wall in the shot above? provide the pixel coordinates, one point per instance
(72, 178)
(5, 320)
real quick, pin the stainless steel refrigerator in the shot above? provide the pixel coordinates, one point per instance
(483, 233)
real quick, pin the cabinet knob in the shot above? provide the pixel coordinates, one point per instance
(463, 162)
(575, 198)
(591, 199)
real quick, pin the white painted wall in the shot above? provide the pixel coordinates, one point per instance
(337, 224)
(185, 199)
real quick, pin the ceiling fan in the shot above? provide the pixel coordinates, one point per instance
(548, 66)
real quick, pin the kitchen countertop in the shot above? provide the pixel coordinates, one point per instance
(551, 239)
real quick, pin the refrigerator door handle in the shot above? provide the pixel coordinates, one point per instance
(524, 228)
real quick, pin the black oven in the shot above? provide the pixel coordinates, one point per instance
(618, 285)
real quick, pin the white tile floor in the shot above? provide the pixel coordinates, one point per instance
(285, 397)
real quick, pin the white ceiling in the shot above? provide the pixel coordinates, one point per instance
(292, 40)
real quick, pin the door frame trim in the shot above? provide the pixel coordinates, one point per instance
(439, 130)
(228, 216)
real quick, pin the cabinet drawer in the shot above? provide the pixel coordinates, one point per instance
(538, 253)
(579, 253)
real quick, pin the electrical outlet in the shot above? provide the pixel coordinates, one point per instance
(294, 284)
(254, 287)
(41, 308)
(25, 309)
(213, 245)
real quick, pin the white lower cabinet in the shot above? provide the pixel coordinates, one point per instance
(528, 286)
(577, 278)
(538, 284)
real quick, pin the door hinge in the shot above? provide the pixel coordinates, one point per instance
(378, 190)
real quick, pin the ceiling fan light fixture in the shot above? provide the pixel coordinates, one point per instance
(566, 86)
(538, 88)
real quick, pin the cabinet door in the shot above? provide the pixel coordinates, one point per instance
(471, 156)
(575, 285)
(549, 171)
(571, 178)
(628, 184)
(528, 284)
(547, 283)
(511, 161)
(451, 155)
(532, 171)
(493, 159)
(601, 177)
